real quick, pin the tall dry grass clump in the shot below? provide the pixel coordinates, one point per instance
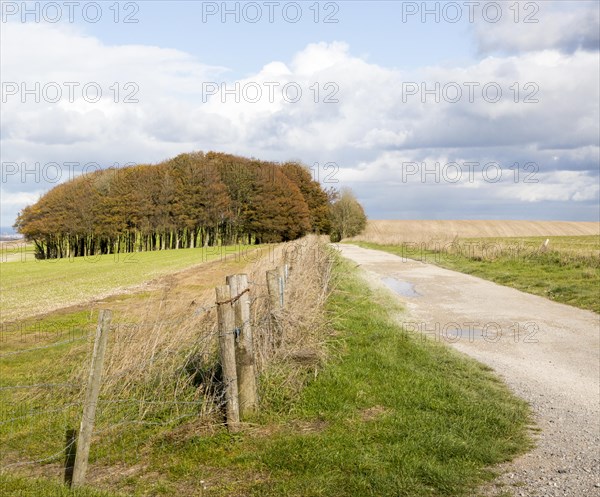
(292, 342)
(162, 363)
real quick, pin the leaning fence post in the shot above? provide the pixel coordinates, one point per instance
(226, 320)
(91, 399)
(244, 346)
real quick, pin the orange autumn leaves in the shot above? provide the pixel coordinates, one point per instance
(192, 200)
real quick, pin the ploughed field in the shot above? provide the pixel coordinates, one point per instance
(556, 260)
(399, 231)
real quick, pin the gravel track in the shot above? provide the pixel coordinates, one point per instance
(548, 353)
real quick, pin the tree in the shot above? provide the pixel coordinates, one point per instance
(191, 200)
(316, 199)
(347, 216)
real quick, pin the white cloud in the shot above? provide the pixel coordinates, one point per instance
(570, 186)
(373, 126)
(18, 199)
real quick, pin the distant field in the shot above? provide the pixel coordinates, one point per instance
(16, 251)
(394, 232)
(29, 287)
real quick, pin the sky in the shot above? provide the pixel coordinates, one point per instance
(427, 110)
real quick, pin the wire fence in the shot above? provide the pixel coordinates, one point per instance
(109, 421)
(160, 371)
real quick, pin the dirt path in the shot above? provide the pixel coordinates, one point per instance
(548, 353)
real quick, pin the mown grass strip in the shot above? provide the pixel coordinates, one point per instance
(570, 274)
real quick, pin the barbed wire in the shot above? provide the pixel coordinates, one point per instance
(39, 412)
(206, 309)
(38, 461)
(56, 344)
(39, 385)
(141, 421)
(142, 401)
(171, 322)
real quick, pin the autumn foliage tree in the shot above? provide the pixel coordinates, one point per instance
(316, 199)
(191, 200)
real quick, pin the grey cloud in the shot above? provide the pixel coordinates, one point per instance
(437, 202)
(565, 26)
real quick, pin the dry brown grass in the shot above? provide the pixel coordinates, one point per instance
(422, 231)
(162, 360)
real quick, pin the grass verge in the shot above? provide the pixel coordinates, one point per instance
(568, 273)
(391, 414)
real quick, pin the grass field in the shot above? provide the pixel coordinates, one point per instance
(29, 287)
(390, 415)
(568, 271)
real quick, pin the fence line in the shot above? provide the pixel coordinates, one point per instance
(141, 401)
(39, 412)
(56, 344)
(38, 461)
(39, 385)
(233, 331)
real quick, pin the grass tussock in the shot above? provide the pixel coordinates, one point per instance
(170, 357)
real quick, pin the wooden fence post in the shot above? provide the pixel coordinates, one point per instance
(291, 255)
(275, 287)
(226, 319)
(282, 283)
(91, 399)
(281, 289)
(275, 298)
(244, 346)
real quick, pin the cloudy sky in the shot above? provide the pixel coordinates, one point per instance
(437, 110)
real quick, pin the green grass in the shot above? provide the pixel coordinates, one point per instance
(440, 418)
(391, 415)
(23, 487)
(568, 273)
(29, 286)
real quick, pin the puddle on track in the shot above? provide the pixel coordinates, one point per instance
(400, 287)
